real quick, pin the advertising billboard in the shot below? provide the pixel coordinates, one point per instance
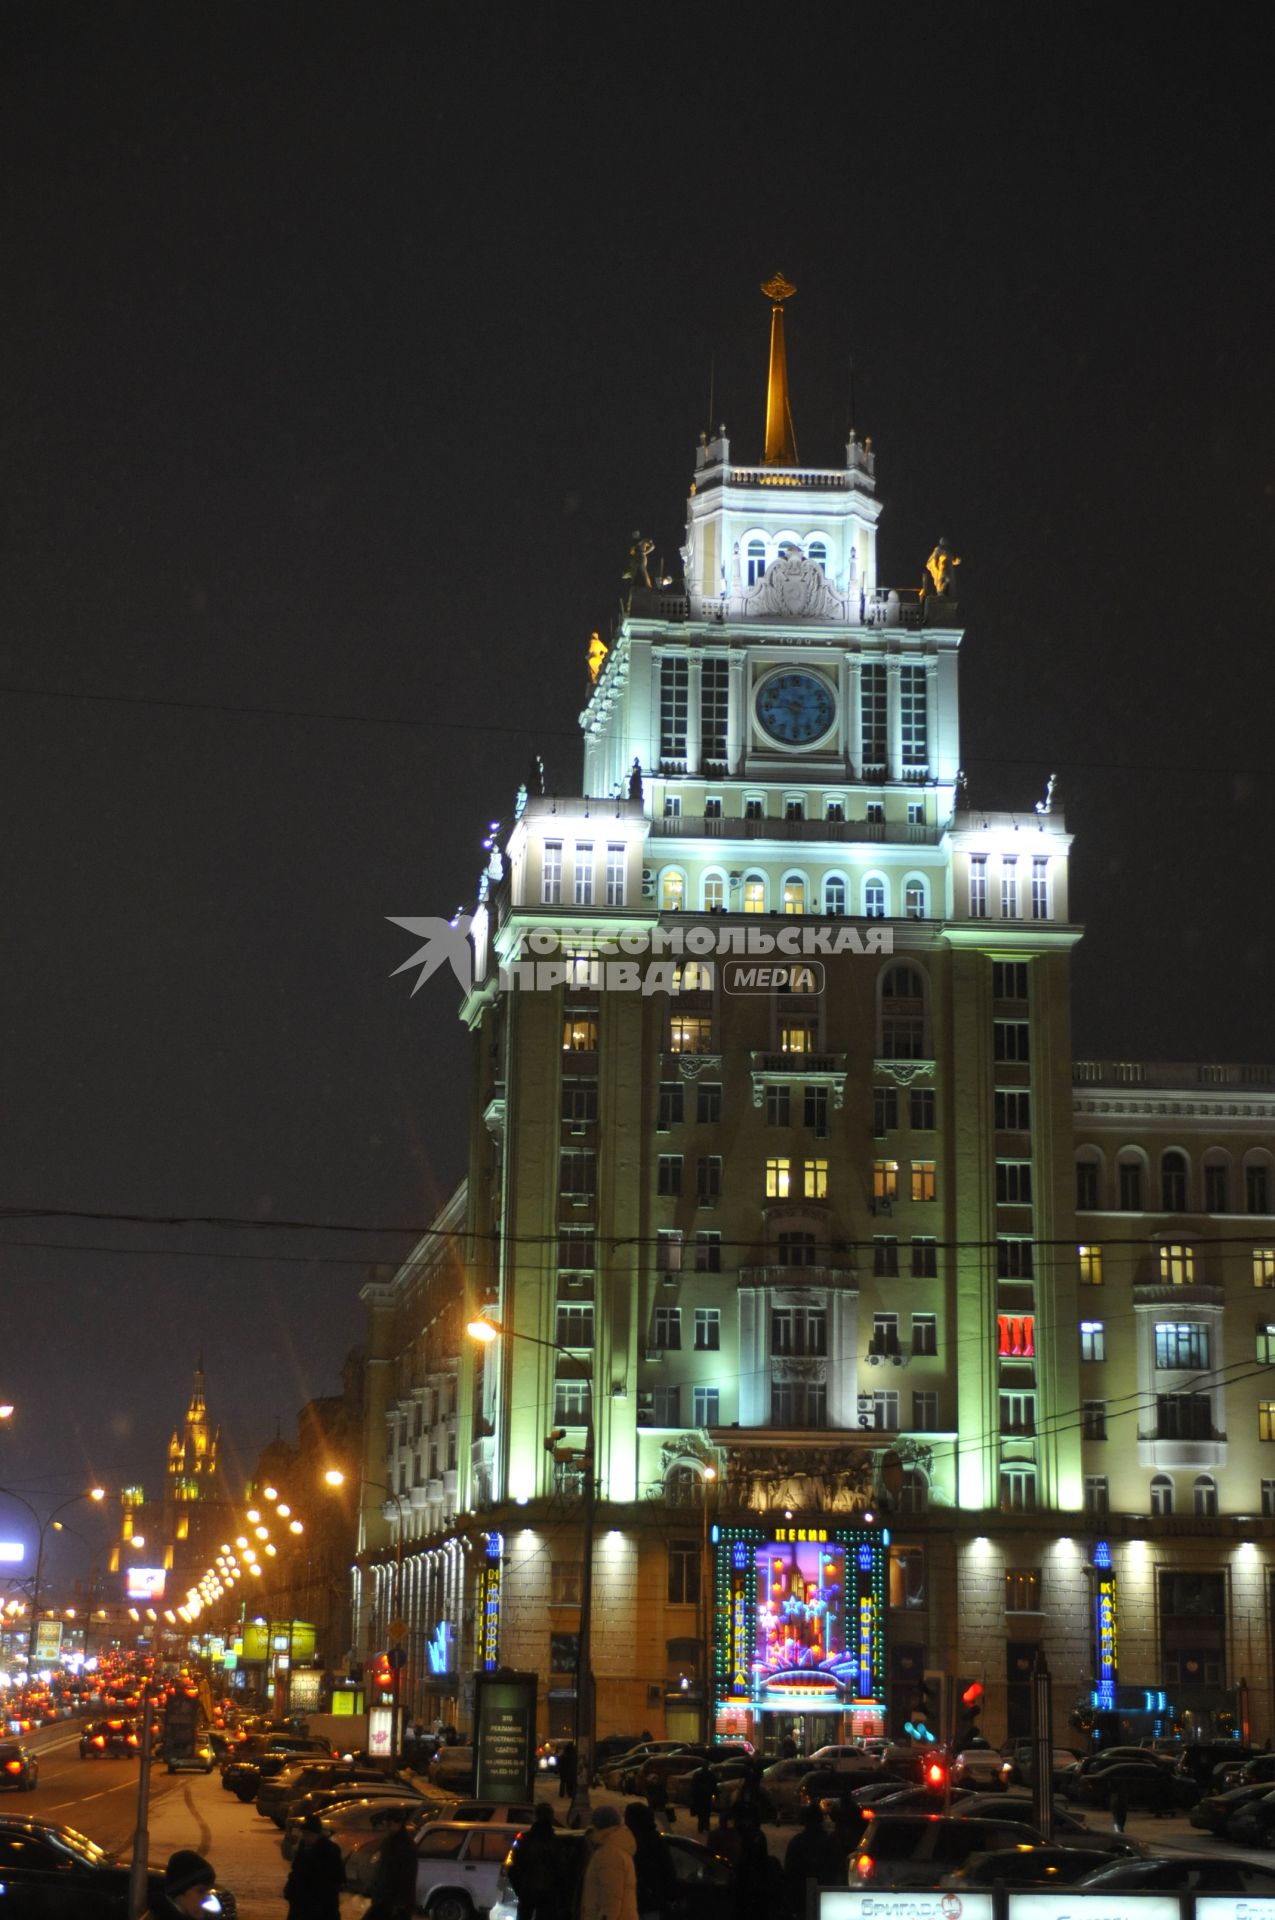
(11, 1553)
(145, 1583)
(803, 1611)
(505, 1735)
(48, 1640)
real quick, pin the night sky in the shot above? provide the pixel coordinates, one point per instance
(342, 350)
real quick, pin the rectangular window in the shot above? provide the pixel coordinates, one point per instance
(885, 1256)
(1177, 1264)
(671, 1106)
(669, 1182)
(683, 1572)
(584, 874)
(564, 1652)
(708, 1329)
(575, 1326)
(834, 810)
(1268, 1499)
(1093, 1420)
(1266, 1419)
(778, 1177)
(885, 1333)
(885, 1110)
(1022, 1590)
(875, 812)
(925, 1412)
(1093, 1343)
(814, 1179)
(885, 1179)
(1264, 1266)
(1182, 1344)
(579, 1102)
(666, 1329)
(777, 1106)
(1011, 1040)
(1040, 889)
(798, 1034)
(615, 874)
(1130, 1186)
(1256, 1190)
(708, 1406)
(1014, 1258)
(925, 1335)
(713, 811)
(668, 1250)
(579, 1032)
(571, 1402)
(754, 808)
(551, 874)
(923, 1180)
(708, 1102)
(1009, 889)
(714, 711)
(912, 715)
(925, 1258)
(1018, 1489)
(577, 1174)
(1090, 1259)
(1087, 1199)
(674, 683)
(885, 1411)
(708, 1179)
(666, 1406)
(1009, 979)
(1097, 1497)
(873, 714)
(798, 1404)
(816, 1111)
(708, 1252)
(1183, 1416)
(1018, 1413)
(798, 1330)
(921, 1109)
(1012, 1110)
(690, 1033)
(978, 886)
(1013, 1183)
(564, 1583)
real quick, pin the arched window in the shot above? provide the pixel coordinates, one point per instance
(672, 891)
(1173, 1182)
(756, 561)
(902, 1029)
(914, 900)
(874, 899)
(1217, 1181)
(754, 893)
(914, 1492)
(1205, 1495)
(834, 896)
(818, 552)
(1161, 1495)
(714, 892)
(1258, 1182)
(683, 1486)
(794, 893)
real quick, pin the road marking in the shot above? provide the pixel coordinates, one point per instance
(205, 1831)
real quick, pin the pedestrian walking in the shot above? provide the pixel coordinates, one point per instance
(394, 1879)
(536, 1871)
(313, 1888)
(609, 1888)
(1118, 1804)
(656, 1880)
(568, 1771)
(701, 1794)
(813, 1854)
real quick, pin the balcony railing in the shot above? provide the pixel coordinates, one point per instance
(697, 826)
(798, 1276)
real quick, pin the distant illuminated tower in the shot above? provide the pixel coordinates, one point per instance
(192, 1453)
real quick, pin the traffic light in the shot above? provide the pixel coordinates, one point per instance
(967, 1718)
(919, 1725)
(935, 1776)
(382, 1674)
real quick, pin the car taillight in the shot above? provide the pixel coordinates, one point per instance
(13, 1766)
(863, 1867)
(99, 1739)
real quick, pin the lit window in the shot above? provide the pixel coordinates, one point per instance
(834, 896)
(923, 1180)
(794, 895)
(693, 976)
(978, 887)
(672, 891)
(551, 874)
(814, 1180)
(754, 895)
(778, 1177)
(1264, 1266)
(714, 893)
(914, 900)
(1266, 1419)
(1090, 1259)
(690, 1033)
(1009, 889)
(1040, 889)
(1093, 1343)
(1181, 1345)
(1016, 1336)
(885, 1179)
(615, 875)
(1022, 1590)
(874, 899)
(797, 1036)
(580, 1033)
(1177, 1264)
(584, 874)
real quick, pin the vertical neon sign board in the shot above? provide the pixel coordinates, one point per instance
(1106, 1628)
(489, 1580)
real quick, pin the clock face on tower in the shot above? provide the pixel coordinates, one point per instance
(795, 708)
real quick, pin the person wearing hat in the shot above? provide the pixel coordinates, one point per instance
(313, 1888)
(188, 1881)
(394, 1880)
(609, 1889)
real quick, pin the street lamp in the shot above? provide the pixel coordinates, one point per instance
(43, 1527)
(485, 1331)
(334, 1478)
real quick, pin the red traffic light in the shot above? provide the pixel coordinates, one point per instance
(973, 1694)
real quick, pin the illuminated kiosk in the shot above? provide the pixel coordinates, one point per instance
(799, 1613)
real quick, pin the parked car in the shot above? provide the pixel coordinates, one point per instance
(452, 1770)
(1023, 1866)
(1146, 1782)
(1254, 1824)
(277, 1797)
(619, 1771)
(19, 1768)
(612, 1745)
(781, 1785)
(1210, 1760)
(1070, 1829)
(351, 1822)
(483, 1813)
(458, 1867)
(1214, 1811)
(705, 1883)
(917, 1849)
(977, 1767)
(51, 1872)
(1016, 1766)
(1182, 1873)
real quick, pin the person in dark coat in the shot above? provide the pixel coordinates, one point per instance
(1118, 1805)
(568, 1771)
(188, 1880)
(702, 1793)
(313, 1888)
(813, 1854)
(394, 1881)
(536, 1870)
(657, 1795)
(656, 1880)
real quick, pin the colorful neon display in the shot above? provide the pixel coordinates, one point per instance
(1106, 1628)
(489, 1581)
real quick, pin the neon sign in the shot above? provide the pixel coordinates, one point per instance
(1106, 1628)
(489, 1584)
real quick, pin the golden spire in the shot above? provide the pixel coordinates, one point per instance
(781, 442)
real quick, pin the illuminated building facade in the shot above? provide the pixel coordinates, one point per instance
(773, 1191)
(175, 1537)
